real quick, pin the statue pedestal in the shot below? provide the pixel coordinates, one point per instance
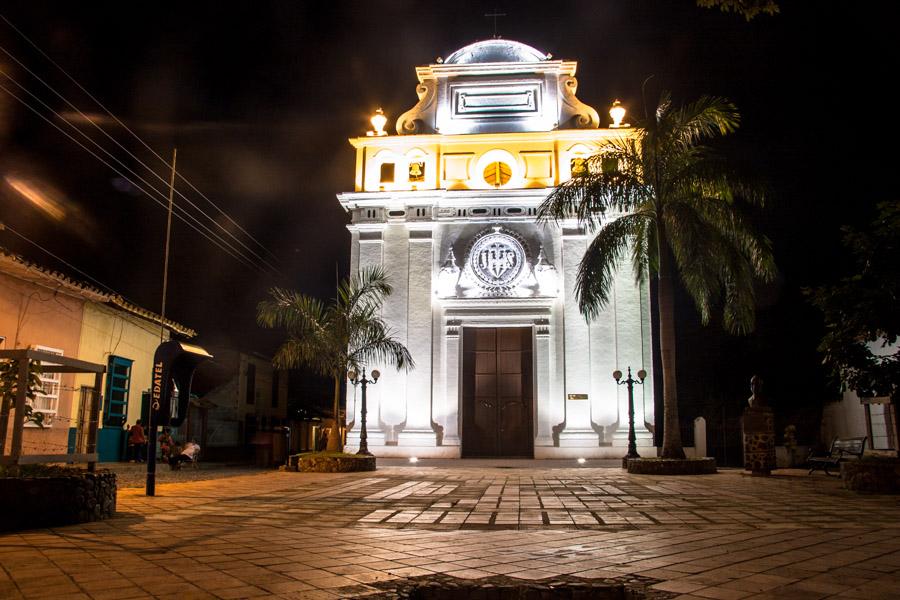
(758, 426)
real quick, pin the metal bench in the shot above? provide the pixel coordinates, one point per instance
(841, 449)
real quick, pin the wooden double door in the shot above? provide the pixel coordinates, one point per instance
(498, 392)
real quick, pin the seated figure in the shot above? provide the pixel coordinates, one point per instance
(189, 453)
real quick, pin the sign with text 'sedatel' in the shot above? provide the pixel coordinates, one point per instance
(173, 369)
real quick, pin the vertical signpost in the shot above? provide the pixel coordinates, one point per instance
(155, 400)
(173, 369)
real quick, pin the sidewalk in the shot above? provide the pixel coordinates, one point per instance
(296, 535)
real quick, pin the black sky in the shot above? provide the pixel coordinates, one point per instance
(260, 98)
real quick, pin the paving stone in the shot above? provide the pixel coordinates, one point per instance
(299, 535)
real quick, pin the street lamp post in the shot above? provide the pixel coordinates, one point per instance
(361, 380)
(632, 438)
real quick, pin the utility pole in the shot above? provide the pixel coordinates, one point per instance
(154, 407)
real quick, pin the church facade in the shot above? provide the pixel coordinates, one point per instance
(506, 366)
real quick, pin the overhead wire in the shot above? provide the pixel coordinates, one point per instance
(230, 250)
(129, 130)
(117, 160)
(125, 126)
(137, 137)
(117, 143)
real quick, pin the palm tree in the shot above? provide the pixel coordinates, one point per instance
(664, 199)
(347, 334)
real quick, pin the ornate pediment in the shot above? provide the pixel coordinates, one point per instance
(497, 86)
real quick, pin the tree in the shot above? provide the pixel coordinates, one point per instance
(347, 334)
(862, 322)
(749, 9)
(666, 199)
(9, 385)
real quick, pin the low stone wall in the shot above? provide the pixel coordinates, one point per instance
(321, 462)
(671, 466)
(34, 502)
(877, 476)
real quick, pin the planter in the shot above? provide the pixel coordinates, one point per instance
(59, 497)
(671, 466)
(331, 462)
(872, 475)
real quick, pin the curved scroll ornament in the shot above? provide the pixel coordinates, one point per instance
(419, 118)
(574, 112)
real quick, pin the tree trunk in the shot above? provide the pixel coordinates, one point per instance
(665, 304)
(334, 437)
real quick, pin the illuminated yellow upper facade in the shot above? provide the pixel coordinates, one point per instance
(460, 162)
(495, 115)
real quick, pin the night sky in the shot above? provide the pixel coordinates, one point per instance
(260, 98)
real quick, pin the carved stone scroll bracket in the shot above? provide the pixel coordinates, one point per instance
(420, 118)
(574, 113)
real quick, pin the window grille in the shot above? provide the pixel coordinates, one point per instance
(47, 400)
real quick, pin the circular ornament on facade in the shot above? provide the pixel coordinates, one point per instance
(497, 174)
(497, 260)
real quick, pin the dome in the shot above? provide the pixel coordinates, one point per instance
(495, 51)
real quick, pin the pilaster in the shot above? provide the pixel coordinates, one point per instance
(395, 313)
(578, 431)
(370, 254)
(417, 430)
(451, 384)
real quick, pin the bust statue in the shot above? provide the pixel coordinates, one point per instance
(756, 398)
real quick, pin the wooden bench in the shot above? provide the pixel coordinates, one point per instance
(841, 449)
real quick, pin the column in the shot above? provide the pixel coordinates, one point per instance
(630, 353)
(350, 398)
(545, 416)
(418, 431)
(578, 432)
(393, 383)
(370, 254)
(647, 392)
(604, 391)
(451, 383)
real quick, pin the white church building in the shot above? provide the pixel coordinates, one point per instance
(506, 366)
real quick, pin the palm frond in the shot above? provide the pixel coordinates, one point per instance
(291, 310)
(587, 197)
(369, 287)
(597, 269)
(375, 344)
(704, 118)
(734, 228)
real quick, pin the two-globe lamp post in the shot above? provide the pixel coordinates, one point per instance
(630, 381)
(361, 380)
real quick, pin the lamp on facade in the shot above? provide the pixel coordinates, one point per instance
(617, 114)
(545, 275)
(378, 121)
(632, 438)
(448, 277)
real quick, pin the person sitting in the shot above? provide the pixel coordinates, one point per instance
(189, 453)
(165, 444)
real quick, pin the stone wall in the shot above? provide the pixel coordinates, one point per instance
(34, 502)
(320, 462)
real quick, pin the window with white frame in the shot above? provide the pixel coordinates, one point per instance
(47, 400)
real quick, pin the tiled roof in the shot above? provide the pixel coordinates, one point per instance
(21, 268)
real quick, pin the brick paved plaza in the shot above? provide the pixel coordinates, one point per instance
(296, 535)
